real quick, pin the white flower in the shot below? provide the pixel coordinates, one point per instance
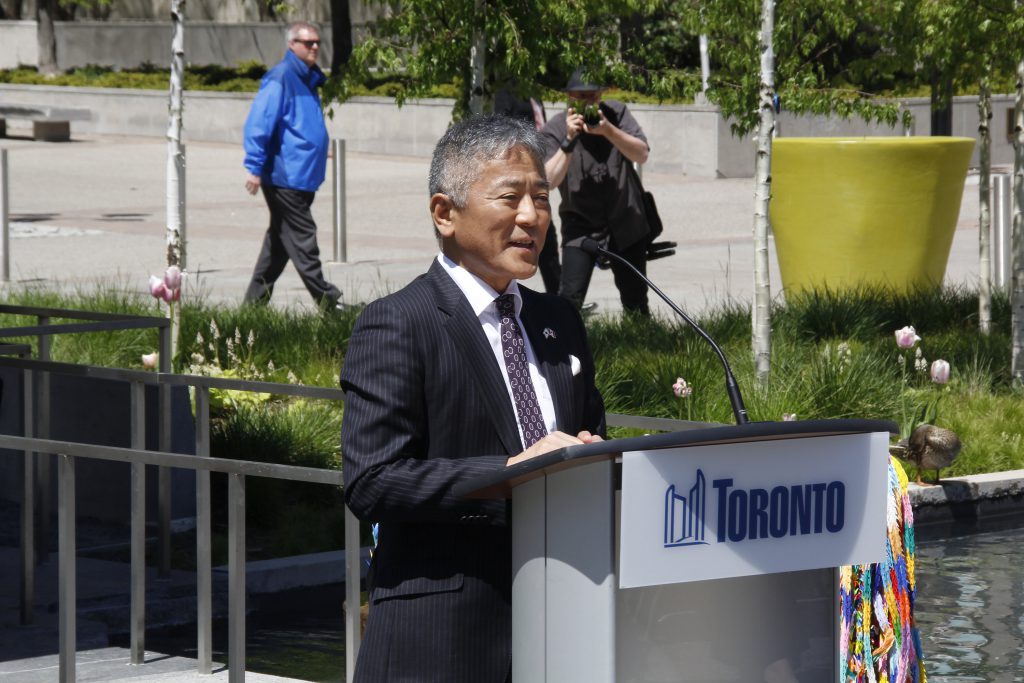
(940, 371)
(681, 389)
(907, 337)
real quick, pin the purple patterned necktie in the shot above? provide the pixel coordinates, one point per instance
(531, 420)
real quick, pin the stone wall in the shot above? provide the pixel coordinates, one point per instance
(685, 139)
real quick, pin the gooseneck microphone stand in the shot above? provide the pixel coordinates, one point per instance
(593, 248)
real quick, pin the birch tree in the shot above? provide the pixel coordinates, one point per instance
(46, 36)
(799, 53)
(1017, 295)
(985, 206)
(761, 318)
(175, 233)
(962, 42)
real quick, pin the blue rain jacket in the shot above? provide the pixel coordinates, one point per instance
(285, 136)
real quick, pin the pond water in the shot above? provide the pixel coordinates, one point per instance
(970, 610)
(970, 605)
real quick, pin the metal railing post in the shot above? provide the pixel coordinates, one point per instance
(204, 559)
(66, 594)
(44, 497)
(28, 505)
(5, 221)
(1001, 237)
(164, 473)
(338, 187)
(353, 575)
(137, 618)
(236, 578)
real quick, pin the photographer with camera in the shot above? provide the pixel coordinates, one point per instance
(590, 148)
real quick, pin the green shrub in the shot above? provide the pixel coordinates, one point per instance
(834, 355)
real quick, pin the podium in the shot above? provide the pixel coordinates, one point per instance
(697, 556)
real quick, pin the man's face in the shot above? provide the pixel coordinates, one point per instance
(306, 46)
(499, 233)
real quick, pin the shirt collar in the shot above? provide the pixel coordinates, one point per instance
(479, 294)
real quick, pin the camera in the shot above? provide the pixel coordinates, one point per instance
(589, 112)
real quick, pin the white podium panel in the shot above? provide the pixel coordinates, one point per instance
(773, 627)
(739, 509)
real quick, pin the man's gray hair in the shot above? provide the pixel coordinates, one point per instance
(471, 143)
(295, 27)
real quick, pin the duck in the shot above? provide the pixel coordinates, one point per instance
(930, 448)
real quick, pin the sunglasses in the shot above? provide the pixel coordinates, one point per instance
(310, 44)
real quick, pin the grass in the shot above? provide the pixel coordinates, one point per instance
(834, 355)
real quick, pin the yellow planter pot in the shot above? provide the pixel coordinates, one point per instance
(876, 212)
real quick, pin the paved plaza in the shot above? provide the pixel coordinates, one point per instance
(94, 211)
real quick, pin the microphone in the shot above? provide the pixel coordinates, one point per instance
(593, 248)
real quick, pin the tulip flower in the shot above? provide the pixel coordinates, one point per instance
(172, 277)
(940, 371)
(149, 360)
(170, 295)
(907, 337)
(681, 389)
(156, 287)
(789, 417)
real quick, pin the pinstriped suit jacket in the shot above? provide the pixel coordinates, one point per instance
(426, 407)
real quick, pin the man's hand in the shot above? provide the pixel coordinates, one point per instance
(603, 128)
(252, 183)
(631, 147)
(574, 124)
(553, 442)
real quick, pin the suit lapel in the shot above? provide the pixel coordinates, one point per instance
(464, 329)
(552, 354)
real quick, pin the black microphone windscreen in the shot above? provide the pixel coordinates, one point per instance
(590, 246)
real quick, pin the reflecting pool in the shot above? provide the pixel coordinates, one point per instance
(970, 606)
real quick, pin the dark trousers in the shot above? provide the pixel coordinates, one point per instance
(291, 235)
(550, 268)
(578, 266)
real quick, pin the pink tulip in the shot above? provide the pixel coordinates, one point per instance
(170, 295)
(172, 277)
(149, 360)
(681, 389)
(940, 371)
(907, 337)
(156, 287)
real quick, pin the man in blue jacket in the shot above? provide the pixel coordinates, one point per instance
(286, 155)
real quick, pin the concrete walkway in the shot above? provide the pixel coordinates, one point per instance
(93, 210)
(112, 664)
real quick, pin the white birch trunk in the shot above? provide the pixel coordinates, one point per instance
(985, 209)
(1017, 294)
(761, 310)
(477, 52)
(176, 160)
(46, 37)
(705, 63)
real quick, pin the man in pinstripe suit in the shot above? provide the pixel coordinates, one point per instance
(430, 403)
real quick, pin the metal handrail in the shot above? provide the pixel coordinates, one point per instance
(202, 463)
(98, 322)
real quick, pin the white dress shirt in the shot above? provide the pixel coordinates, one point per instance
(481, 298)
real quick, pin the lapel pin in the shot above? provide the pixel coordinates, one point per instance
(549, 333)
